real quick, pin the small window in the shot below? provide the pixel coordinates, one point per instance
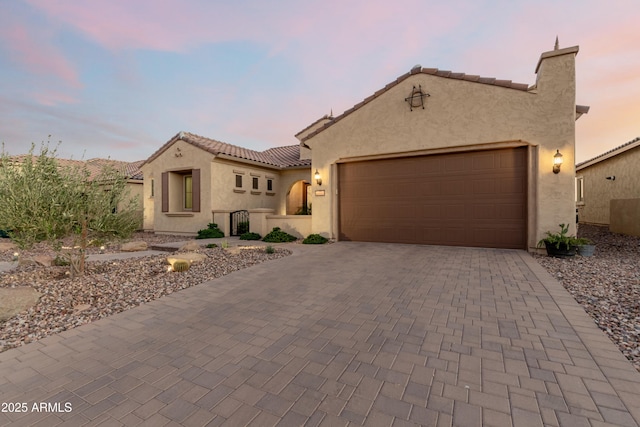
(269, 185)
(153, 190)
(580, 189)
(188, 192)
(255, 183)
(239, 181)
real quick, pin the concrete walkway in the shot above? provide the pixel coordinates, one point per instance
(342, 334)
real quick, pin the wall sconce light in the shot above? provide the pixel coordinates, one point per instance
(557, 161)
(611, 178)
(317, 177)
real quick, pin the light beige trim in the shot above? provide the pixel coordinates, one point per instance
(236, 190)
(178, 214)
(238, 172)
(532, 196)
(257, 193)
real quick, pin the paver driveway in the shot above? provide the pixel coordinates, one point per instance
(349, 333)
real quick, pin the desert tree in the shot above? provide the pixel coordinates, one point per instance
(44, 199)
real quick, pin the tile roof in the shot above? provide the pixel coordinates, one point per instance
(280, 157)
(615, 151)
(130, 170)
(420, 70)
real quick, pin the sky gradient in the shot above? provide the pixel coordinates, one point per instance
(118, 78)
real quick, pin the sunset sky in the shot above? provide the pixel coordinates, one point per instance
(118, 78)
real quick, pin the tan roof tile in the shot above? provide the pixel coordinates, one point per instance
(279, 157)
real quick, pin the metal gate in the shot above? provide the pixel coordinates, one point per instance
(239, 223)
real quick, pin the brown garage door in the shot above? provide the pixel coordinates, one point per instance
(474, 198)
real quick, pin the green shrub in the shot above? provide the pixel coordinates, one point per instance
(278, 236)
(250, 236)
(315, 239)
(211, 245)
(211, 232)
(269, 249)
(59, 261)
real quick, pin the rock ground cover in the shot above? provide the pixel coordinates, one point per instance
(108, 287)
(607, 285)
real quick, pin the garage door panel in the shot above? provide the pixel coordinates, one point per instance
(463, 199)
(484, 186)
(483, 162)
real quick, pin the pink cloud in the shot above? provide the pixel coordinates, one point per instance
(32, 49)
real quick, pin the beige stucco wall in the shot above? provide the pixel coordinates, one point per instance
(288, 179)
(147, 201)
(296, 225)
(463, 114)
(225, 195)
(599, 191)
(180, 156)
(218, 191)
(624, 216)
(136, 190)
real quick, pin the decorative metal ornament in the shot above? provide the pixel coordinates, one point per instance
(417, 98)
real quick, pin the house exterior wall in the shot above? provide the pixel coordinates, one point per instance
(624, 216)
(599, 191)
(462, 115)
(181, 156)
(136, 191)
(226, 196)
(218, 191)
(289, 178)
(147, 201)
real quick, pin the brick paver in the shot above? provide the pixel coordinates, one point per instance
(341, 334)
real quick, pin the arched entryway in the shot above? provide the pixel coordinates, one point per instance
(298, 198)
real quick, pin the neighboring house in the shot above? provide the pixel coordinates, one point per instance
(608, 189)
(192, 181)
(131, 170)
(433, 157)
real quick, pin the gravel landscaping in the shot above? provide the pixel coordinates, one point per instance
(108, 287)
(607, 285)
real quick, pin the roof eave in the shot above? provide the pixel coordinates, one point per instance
(616, 151)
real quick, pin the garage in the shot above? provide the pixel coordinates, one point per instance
(476, 199)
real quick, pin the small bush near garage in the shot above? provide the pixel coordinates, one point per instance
(278, 236)
(250, 236)
(211, 232)
(315, 239)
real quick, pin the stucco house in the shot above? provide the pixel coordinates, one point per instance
(608, 189)
(192, 181)
(433, 157)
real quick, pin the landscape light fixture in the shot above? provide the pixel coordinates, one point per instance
(557, 161)
(317, 177)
